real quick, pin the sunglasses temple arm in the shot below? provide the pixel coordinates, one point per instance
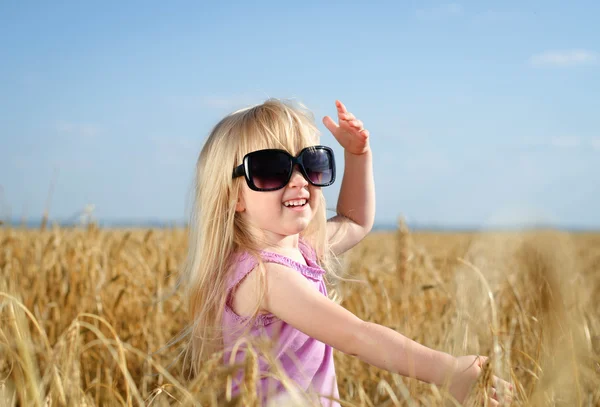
(238, 171)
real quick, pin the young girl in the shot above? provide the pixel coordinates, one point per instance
(259, 247)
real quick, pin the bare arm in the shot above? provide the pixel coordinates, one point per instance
(387, 349)
(293, 299)
(356, 202)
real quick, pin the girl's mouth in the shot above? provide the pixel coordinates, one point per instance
(295, 204)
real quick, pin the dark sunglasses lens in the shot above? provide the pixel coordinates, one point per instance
(319, 166)
(269, 169)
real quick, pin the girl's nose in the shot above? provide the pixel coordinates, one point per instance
(297, 179)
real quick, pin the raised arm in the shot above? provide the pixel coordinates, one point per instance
(356, 202)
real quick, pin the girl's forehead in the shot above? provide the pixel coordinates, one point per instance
(291, 145)
(274, 129)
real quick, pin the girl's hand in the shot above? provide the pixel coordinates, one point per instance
(466, 373)
(350, 132)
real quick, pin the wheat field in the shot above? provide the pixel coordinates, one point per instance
(87, 316)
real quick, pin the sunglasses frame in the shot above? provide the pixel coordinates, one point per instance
(242, 169)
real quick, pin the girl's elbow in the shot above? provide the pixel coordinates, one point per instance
(366, 229)
(355, 340)
(369, 223)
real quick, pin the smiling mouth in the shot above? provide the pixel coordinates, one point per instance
(295, 203)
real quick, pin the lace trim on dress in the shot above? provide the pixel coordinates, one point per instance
(261, 319)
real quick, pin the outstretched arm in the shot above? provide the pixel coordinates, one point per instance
(356, 202)
(294, 300)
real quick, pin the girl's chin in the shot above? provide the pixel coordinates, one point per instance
(298, 226)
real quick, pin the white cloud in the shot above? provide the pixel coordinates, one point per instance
(78, 130)
(565, 142)
(533, 141)
(439, 12)
(560, 142)
(565, 58)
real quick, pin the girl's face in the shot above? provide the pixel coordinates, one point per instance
(284, 212)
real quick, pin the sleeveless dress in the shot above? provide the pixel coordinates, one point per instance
(306, 361)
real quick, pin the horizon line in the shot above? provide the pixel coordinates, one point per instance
(378, 226)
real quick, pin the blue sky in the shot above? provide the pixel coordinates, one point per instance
(481, 114)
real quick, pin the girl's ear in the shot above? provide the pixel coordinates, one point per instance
(240, 206)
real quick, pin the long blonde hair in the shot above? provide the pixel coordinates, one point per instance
(217, 231)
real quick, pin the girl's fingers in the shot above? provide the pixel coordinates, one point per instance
(353, 122)
(330, 124)
(347, 116)
(346, 120)
(505, 386)
(357, 123)
(505, 393)
(492, 402)
(340, 106)
(493, 393)
(481, 360)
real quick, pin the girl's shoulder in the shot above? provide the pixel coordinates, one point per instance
(240, 264)
(309, 268)
(244, 262)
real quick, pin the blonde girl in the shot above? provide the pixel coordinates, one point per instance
(260, 245)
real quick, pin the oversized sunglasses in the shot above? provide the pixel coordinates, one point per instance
(271, 169)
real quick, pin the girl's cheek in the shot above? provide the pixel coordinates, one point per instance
(315, 197)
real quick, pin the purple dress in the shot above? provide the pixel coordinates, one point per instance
(308, 362)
